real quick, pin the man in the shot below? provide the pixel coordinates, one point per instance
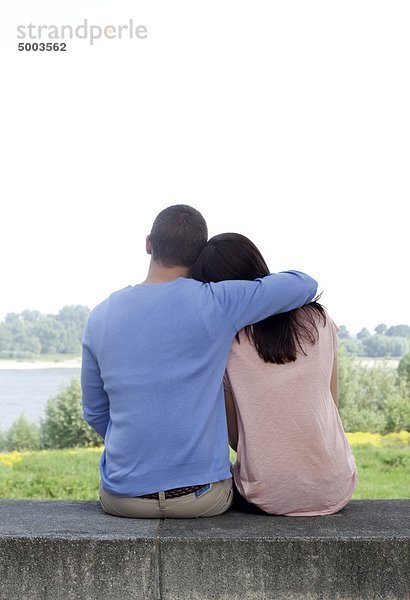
(153, 362)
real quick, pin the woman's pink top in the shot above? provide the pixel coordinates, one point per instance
(293, 457)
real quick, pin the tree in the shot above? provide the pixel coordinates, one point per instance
(6, 338)
(376, 345)
(382, 345)
(74, 319)
(63, 425)
(363, 333)
(30, 315)
(381, 329)
(362, 394)
(3, 441)
(35, 333)
(403, 370)
(75, 314)
(343, 333)
(50, 333)
(32, 344)
(370, 397)
(23, 435)
(350, 346)
(11, 318)
(398, 331)
(398, 346)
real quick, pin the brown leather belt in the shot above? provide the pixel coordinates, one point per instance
(175, 492)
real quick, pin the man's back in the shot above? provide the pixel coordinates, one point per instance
(153, 362)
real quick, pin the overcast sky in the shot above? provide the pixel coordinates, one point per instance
(288, 122)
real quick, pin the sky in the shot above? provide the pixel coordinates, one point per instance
(287, 122)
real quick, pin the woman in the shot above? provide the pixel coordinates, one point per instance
(293, 457)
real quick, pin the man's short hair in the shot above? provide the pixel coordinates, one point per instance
(178, 235)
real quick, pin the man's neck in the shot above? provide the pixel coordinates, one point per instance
(158, 273)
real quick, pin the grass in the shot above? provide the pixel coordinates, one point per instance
(50, 474)
(383, 463)
(383, 472)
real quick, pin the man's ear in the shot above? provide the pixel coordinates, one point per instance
(148, 244)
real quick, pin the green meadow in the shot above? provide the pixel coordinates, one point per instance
(383, 463)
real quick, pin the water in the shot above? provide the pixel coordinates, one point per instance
(28, 391)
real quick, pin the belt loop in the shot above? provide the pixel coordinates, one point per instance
(161, 500)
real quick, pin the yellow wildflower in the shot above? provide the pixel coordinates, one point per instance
(402, 436)
(376, 439)
(78, 450)
(11, 458)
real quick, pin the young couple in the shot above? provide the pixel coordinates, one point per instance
(211, 343)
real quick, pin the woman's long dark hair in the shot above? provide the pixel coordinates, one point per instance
(279, 337)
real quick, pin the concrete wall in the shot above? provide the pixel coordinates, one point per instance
(72, 550)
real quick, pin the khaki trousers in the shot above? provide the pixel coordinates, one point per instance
(205, 503)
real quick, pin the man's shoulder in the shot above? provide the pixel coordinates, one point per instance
(102, 306)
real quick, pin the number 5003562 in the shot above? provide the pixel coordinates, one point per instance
(42, 47)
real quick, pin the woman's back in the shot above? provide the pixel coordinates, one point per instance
(293, 457)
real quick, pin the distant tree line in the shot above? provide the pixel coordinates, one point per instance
(384, 342)
(30, 333)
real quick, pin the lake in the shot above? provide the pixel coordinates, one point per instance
(27, 391)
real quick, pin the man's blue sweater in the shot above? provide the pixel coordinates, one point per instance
(154, 356)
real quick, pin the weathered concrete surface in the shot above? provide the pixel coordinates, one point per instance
(72, 550)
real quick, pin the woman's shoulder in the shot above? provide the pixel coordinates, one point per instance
(317, 315)
(326, 327)
(330, 322)
(316, 328)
